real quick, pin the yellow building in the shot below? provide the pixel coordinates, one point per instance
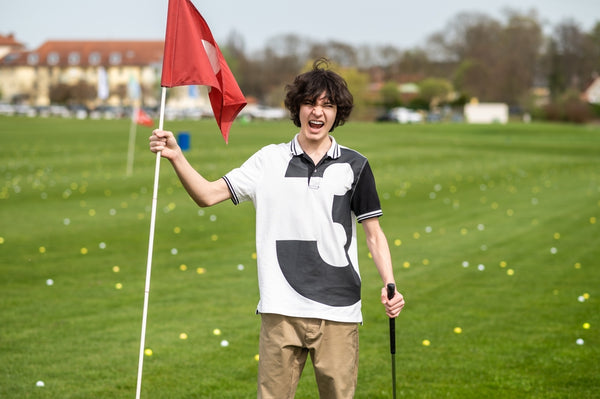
(70, 72)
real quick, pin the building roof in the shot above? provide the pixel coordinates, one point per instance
(88, 53)
(9, 41)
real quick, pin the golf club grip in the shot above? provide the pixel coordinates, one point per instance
(391, 288)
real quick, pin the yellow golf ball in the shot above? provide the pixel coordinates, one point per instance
(148, 352)
(457, 330)
(586, 326)
(216, 331)
(183, 336)
(426, 342)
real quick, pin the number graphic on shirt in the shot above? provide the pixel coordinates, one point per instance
(302, 264)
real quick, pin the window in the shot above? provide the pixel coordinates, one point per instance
(94, 58)
(74, 58)
(114, 58)
(33, 58)
(53, 58)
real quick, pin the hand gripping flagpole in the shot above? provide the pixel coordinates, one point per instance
(150, 250)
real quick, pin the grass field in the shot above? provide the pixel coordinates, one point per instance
(494, 232)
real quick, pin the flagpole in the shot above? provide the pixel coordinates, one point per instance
(132, 134)
(150, 250)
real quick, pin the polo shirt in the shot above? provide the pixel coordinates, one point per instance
(306, 218)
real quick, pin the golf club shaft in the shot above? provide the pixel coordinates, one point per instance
(391, 288)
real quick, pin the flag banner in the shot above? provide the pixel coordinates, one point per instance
(142, 118)
(134, 90)
(192, 57)
(102, 84)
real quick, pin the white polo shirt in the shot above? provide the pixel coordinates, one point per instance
(306, 227)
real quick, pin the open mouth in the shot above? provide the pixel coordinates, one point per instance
(316, 124)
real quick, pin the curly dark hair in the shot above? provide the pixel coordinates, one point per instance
(307, 87)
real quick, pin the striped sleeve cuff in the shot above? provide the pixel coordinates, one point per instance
(369, 215)
(234, 197)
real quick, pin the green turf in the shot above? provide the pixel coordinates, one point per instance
(516, 199)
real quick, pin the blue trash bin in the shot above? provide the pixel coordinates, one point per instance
(183, 139)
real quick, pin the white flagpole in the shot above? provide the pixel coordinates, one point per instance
(150, 250)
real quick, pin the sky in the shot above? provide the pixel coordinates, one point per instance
(400, 23)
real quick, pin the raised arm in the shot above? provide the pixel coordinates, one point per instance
(203, 192)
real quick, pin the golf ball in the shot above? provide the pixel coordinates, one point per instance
(40, 384)
(49, 282)
(586, 326)
(457, 330)
(148, 352)
(183, 336)
(426, 342)
(224, 343)
(216, 331)
(579, 341)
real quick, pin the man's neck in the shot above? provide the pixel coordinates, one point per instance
(316, 150)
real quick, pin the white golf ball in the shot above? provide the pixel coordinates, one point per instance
(39, 384)
(579, 341)
(224, 343)
(49, 282)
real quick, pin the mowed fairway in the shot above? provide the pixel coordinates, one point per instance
(494, 231)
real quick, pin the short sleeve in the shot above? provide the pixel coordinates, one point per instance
(242, 181)
(365, 200)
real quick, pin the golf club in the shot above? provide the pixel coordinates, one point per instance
(391, 288)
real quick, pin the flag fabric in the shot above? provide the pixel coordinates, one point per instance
(192, 57)
(142, 118)
(134, 90)
(102, 84)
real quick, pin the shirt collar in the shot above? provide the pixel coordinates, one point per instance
(334, 151)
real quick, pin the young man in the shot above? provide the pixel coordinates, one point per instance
(308, 195)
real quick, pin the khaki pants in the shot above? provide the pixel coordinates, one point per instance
(284, 345)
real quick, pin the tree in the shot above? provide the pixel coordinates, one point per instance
(565, 58)
(521, 44)
(390, 96)
(434, 91)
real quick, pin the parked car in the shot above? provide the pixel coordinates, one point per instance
(255, 111)
(401, 115)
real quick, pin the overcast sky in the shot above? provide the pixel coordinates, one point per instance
(401, 23)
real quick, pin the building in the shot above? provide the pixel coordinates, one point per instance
(75, 72)
(8, 44)
(592, 93)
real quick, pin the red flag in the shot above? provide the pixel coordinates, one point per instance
(192, 57)
(142, 118)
